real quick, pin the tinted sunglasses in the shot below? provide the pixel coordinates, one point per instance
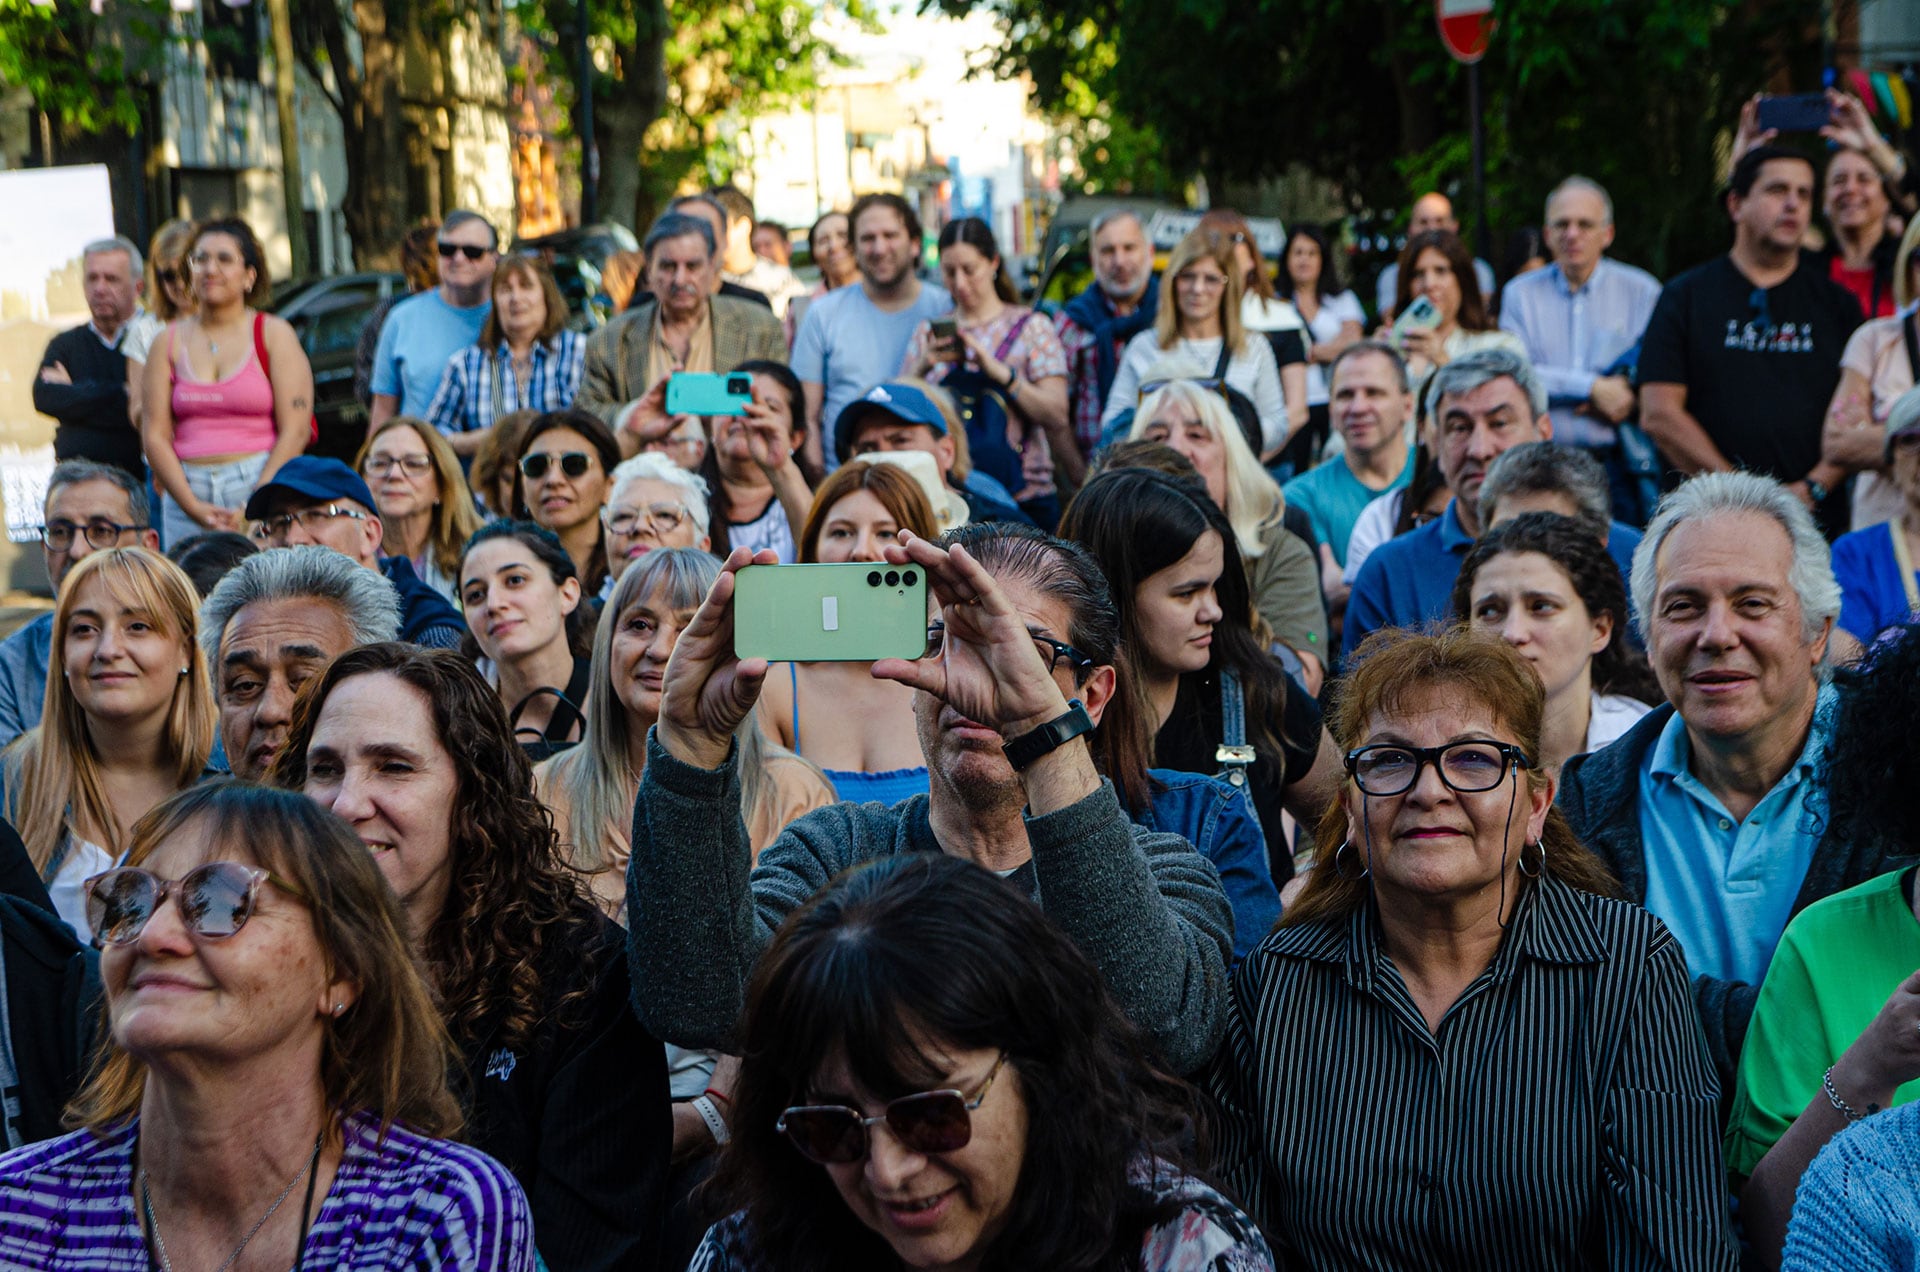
(449, 250)
(572, 463)
(215, 900)
(930, 1122)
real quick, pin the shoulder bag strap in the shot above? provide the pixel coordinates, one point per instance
(1904, 560)
(1226, 357)
(1013, 337)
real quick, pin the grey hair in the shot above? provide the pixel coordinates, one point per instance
(1550, 468)
(71, 472)
(461, 216)
(1574, 183)
(1113, 216)
(1710, 494)
(118, 243)
(653, 466)
(675, 225)
(307, 571)
(1464, 375)
(1902, 416)
(1379, 349)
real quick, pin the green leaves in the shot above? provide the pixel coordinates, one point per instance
(83, 69)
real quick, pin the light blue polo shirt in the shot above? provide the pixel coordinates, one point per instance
(1725, 887)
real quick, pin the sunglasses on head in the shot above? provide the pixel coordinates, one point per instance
(472, 253)
(929, 1122)
(572, 463)
(215, 900)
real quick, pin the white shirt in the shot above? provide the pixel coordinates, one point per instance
(1251, 370)
(1334, 313)
(69, 886)
(1374, 528)
(1611, 715)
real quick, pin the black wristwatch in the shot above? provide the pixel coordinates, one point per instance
(1049, 737)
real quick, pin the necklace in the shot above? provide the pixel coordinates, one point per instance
(153, 1224)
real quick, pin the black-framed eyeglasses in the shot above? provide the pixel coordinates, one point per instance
(1213, 384)
(1052, 652)
(276, 529)
(928, 1122)
(1387, 768)
(215, 900)
(101, 533)
(449, 250)
(572, 463)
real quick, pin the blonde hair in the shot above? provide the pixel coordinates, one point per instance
(1201, 245)
(53, 776)
(453, 519)
(1254, 503)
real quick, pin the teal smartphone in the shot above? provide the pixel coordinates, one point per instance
(707, 393)
(853, 612)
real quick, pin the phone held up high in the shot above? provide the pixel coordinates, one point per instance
(856, 611)
(706, 393)
(1419, 313)
(1797, 112)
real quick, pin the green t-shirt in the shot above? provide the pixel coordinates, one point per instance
(1333, 499)
(1839, 961)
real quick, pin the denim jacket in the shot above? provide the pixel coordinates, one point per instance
(23, 676)
(1212, 817)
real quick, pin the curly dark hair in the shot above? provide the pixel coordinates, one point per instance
(1619, 668)
(921, 951)
(514, 910)
(1872, 765)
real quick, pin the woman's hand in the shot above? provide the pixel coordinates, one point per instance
(214, 517)
(989, 668)
(768, 434)
(994, 369)
(1424, 342)
(648, 421)
(1886, 1055)
(1853, 128)
(708, 690)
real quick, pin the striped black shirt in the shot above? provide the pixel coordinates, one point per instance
(1562, 1116)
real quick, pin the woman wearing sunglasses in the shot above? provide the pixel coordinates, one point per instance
(275, 1087)
(566, 461)
(128, 721)
(936, 1076)
(169, 296)
(559, 1082)
(426, 510)
(1455, 1050)
(532, 628)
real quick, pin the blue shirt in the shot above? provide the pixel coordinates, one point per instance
(848, 344)
(1333, 498)
(477, 387)
(24, 657)
(1872, 595)
(1572, 336)
(418, 339)
(1726, 887)
(1408, 581)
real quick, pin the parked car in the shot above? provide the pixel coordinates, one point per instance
(327, 314)
(576, 258)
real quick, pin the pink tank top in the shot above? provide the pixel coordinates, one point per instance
(233, 416)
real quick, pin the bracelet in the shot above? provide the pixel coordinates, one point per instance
(1840, 1106)
(1013, 386)
(711, 1116)
(719, 1095)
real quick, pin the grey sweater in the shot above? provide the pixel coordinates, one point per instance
(1146, 908)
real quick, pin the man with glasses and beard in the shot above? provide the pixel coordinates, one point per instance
(424, 332)
(854, 337)
(1742, 353)
(90, 507)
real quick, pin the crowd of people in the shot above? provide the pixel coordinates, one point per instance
(1395, 791)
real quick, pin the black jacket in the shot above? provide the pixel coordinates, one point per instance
(583, 1118)
(52, 987)
(1600, 798)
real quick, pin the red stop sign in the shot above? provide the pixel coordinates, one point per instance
(1465, 26)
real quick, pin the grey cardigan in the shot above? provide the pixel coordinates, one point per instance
(1146, 908)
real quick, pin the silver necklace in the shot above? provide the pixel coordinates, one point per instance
(153, 1224)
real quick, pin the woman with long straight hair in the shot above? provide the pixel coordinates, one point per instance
(1267, 312)
(128, 721)
(426, 509)
(1437, 265)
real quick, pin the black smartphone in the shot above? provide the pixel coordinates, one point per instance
(1797, 112)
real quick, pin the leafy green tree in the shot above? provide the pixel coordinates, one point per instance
(84, 69)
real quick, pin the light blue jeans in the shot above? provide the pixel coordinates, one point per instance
(222, 485)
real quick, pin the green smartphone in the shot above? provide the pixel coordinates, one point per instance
(706, 393)
(853, 612)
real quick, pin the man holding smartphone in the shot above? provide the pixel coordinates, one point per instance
(1020, 670)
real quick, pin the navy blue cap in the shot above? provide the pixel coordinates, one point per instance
(309, 479)
(902, 401)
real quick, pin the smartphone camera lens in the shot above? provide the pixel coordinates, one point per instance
(909, 578)
(873, 578)
(893, 578)
(739, 384)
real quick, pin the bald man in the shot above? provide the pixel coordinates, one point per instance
(1431, 211)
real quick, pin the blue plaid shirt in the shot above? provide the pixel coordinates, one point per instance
(479, 387)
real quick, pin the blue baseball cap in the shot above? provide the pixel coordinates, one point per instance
(901, 401)
(309, 479)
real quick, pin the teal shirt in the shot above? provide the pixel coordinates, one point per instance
(1332, 497)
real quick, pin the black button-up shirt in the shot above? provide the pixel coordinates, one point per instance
(1563, 1115)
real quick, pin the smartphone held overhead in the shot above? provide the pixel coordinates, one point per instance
(708, 393)
(855, 611)
(1795, 112)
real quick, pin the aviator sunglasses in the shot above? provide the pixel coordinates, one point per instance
(926, 1123)
(572, 463)
(215, 900)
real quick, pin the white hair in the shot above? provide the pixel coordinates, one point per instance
(1574, 183)
(1254, 503)
(654, 466)
(305, 571)
(99, 247)
(1713, 494)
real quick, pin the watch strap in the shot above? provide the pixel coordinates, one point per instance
(1049, 737)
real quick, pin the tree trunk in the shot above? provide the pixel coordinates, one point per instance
(366, 97)
(624, 110)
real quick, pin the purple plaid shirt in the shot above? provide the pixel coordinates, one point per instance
(404, 1201)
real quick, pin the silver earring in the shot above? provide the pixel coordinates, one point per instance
(1539, 863)
(183, 671)
(1339, 862)
(339, 1009)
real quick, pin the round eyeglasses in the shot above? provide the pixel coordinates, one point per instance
(1388, 768)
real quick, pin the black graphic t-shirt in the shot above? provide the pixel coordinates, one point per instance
(1760, 364)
